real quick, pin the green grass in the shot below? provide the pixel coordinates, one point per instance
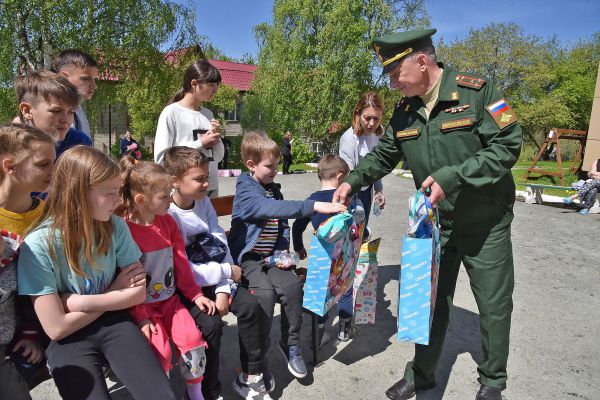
(546, 180)
(300, 167)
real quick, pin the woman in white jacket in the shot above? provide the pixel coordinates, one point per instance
(360, 139)
(185, 122)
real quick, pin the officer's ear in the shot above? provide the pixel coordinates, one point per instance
(422, 61)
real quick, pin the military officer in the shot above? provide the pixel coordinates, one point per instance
(461, 139)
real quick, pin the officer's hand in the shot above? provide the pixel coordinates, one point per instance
(436, 192)
(341, 195)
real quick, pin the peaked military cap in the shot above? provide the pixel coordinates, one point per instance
(392, 48)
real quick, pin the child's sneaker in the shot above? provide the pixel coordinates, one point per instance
(268, 380)
(251, 390)
(296, 364)
(345, 327)
(584, 211)
(567, 201)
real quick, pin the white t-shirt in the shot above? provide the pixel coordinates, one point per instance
(175, 128)
(202, 218)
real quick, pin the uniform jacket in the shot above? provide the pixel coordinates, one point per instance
(251, 210)
(461, 146)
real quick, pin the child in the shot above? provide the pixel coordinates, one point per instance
(68, 265)
(82, 71)
(185, 122)
(588, 191)
(47, 101)
(26, 162)
(332, 170)
(258, 229)
(145, 189)
(216, 272)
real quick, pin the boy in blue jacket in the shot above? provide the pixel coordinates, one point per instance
(258, 229)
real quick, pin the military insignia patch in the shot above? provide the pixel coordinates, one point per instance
(470, 81)
(407, 133)
(502, 114)
(457, 123)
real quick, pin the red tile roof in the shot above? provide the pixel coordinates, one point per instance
(235, 74)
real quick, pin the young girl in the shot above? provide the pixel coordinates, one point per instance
(185, 122)
(68, 265)
(145, 196)
(26, 163)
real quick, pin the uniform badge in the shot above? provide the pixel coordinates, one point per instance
(407, 133)
(454, 96)
(457, 123)
(502, 114)
(470, 81)
(457, 109)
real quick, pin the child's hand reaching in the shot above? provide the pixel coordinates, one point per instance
(205, 305)
(148, 329)
(236, 273)
(222, 304)
(329, 208)
(32, 352)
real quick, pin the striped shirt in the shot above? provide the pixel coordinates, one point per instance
(268, 236)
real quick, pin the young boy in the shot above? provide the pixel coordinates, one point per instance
(258, 229)
(82, 71)
(214, 270)
(47, 101)
(332, 170)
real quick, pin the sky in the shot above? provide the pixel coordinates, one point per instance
(228, 24)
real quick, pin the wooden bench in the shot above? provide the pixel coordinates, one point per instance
(535, 192)
(224, 206)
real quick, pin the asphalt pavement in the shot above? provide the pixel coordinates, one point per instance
(554, 351)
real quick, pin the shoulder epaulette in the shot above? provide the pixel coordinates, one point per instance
(470, 81)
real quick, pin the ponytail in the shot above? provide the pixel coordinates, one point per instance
(139, 177)
(203, 72)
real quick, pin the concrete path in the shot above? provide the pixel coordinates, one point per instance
(555, 350)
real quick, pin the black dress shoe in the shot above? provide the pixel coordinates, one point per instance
(401, 390)
(489, 393)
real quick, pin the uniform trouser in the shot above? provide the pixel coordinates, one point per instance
(76, 361)
(487, 257)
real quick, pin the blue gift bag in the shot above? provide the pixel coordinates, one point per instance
(332, 260)
(418, 285)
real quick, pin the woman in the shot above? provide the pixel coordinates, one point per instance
(185, 122)
(286, 151)
(588, 191)
(360, 139)
(130, 147)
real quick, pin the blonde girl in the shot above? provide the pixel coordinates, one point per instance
(81, 268)
(145, 196)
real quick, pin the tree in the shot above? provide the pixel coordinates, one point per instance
(124, 36)
(315, 59)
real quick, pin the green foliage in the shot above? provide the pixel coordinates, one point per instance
(315, 60)
(8, 105)
(224, 101)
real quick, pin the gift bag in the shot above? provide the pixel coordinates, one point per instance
(334, 251)
(419, 272)
(365, 283)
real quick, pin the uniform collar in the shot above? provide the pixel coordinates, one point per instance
(448, 88)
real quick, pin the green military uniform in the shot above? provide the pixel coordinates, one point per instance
(468, 144)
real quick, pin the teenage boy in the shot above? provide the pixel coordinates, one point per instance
(48, 101)
(82, 71)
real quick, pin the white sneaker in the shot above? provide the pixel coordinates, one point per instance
(253, 390)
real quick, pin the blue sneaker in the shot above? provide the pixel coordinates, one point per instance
(584, 211)
(296, 364)
(567, 201)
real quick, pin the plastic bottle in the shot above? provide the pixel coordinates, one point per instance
(377, 205)
(283, 259)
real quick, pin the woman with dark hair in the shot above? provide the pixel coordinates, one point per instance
(185, 122)
(286, 151)
(360, 139)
